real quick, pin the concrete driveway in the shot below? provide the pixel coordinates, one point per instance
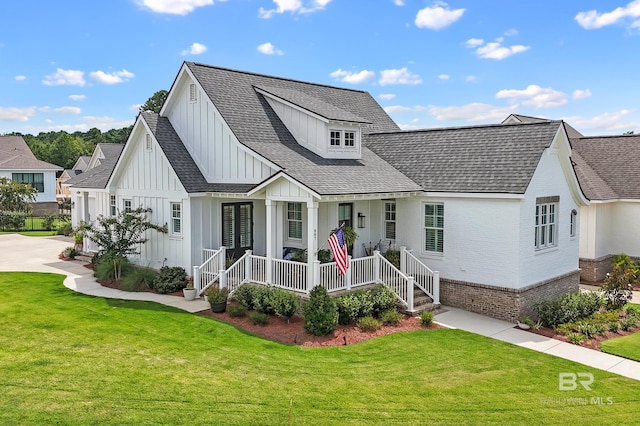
(33, 254)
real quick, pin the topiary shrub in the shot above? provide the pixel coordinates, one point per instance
(259, 318)
(170, 279)
(320, 312)
(245, 295)
(369, 324)
(391, 317)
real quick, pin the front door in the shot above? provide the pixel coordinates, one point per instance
(237, 228)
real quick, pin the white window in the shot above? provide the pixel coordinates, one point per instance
(192, 93)
(390, 220)
(176, 218)
(336, 136)
(349, 139)
(112, 205)
(434, 228)
(573, 223)
(294, 220)
(126, 206)
(342, 138)
(148, 142)
(546, 224)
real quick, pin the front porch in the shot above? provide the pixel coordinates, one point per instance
(412, 279)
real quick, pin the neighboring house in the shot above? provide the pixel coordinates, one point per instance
(18, 163)
(267, 164)
(607, 167)
(62, 191)
(86, 206)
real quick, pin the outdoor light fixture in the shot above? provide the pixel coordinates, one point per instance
(361, 219)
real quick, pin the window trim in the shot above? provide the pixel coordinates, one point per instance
(31, 181)
(294, 221)
(546, 223)
(175, 219)
(341, 135)
(434, 228)
(126, 201)
(573, 223)
(387, 220)
(113, 205)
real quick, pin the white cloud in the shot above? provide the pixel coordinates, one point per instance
(195, 49)
(111, 78)
(437, 16)
(581, 94)
(386, 96)
(293, 6)
(470, 78)
(77, 97)
(398, 2)
(67, 110)
(399, 109)
(353, 77)
(511, 32)
(174, 7)
(16, 114)
(444, 77)
(20, 77)
(135, 108)
(65, 78)
(495, 50)
(471, 112)
(398, 76)
(474, 42)
(535, 96)
(269, 49)
(593, 20)
(606, 123)
(88, 122)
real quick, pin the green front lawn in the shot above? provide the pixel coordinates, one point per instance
(627, 346)
(74, 359)
(32, 233)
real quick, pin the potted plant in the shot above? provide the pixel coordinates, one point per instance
(78, 239)
(217, 298)
(189, 292)
(525, 323)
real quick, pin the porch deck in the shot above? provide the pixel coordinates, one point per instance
(297, 277)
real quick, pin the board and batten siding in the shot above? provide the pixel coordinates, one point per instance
(549, 180)
(147, 179)
(209, 140)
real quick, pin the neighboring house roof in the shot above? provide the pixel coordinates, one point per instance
(16, 155)
(607, 166)
(81, 164)
(480, 159)
(518, 118)
(257, 126)
(97, 177)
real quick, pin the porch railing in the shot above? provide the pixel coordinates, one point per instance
(294, 276)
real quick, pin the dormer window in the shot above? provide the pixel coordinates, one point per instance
(342, 139)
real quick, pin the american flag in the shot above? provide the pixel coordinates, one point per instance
(338, 247)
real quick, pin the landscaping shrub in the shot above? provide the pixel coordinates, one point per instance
(393, 256)
(588, 330)
(47, 222)
(617, 284)
(69, 252)
(628, 323)
(13, 221)
(575, 338)
(245, 295)
(262, 300)
(353, 306)
(259, 318)
(383, 299)
(284, 303)
(64, 228)
(391, 317)
(324, 256)
(614, 326)
(426, 318)
(112, 267)
(632, 310)
(369, 324)
(170, 279)
(237, 311)
(320, 312)
(568, 308)
(139, 279)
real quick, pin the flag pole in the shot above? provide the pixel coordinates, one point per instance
(326, 242)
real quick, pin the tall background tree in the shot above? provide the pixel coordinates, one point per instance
(155, 102)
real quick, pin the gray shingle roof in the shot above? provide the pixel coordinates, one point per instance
(16, 155)
(480, 159)
(607, 166)
(257, 126)
(182, 163)
(98, 177)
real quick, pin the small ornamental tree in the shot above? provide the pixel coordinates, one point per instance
(16, 196)
(120, 236)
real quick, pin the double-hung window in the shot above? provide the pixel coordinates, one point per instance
(434, 228)
(546, 222)
(390, 220)
(294, 220)
(126, 206)
(176, 218)
(573, 223)
(336, 137)
(112, 205)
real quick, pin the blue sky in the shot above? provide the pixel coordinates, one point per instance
(77, 64)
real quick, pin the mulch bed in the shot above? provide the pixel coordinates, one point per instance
(591, 343)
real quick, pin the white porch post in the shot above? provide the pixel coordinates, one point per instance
(312, 242)
(270, 216)
(436, 287)
(376, 266)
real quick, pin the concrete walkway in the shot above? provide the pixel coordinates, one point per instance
(40, 254)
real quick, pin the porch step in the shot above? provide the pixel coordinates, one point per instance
(422, 302)
(84, 257)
